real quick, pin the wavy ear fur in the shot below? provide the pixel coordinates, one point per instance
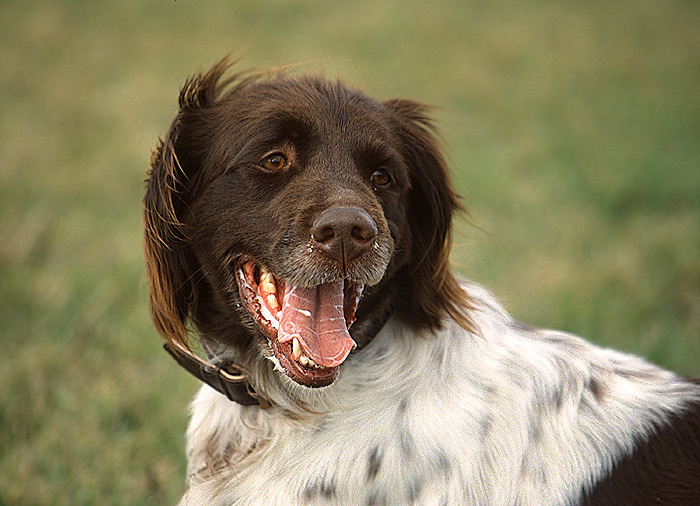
(169, 265)
(431, 292)
(173, 180)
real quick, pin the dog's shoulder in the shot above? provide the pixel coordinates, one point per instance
(618, 429)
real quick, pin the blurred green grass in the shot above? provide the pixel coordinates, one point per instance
(573, 132)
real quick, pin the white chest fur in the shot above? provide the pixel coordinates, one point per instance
(512, 416)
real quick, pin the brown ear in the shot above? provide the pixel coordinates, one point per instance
(433, 292)
(177, 176)
(169, 264)
(173, 180)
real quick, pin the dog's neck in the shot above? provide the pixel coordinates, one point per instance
(372, 315)
(229, 369)
(223, 374)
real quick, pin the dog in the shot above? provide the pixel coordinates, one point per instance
(297, 235)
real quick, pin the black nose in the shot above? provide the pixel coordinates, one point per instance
(344, 233)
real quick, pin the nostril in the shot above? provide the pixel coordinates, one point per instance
(364, 233)
(322, 234)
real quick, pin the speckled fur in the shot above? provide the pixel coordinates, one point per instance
(513, 415)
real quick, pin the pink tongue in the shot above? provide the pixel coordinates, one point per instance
(316, 318)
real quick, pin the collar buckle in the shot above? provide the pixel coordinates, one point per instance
(229, 379)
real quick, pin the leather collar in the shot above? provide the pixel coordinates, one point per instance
(230, 379)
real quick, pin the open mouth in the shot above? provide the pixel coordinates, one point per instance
(307, 328)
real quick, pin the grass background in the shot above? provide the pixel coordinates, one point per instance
(574, 135)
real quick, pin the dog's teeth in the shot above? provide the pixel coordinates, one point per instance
(299, 356)
(267, 281)
(272, 301)
(296, 349)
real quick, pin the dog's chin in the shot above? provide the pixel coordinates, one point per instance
(306, 327)
(307, 376)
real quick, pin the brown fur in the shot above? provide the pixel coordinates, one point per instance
(189, 277)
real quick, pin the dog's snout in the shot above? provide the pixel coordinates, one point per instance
(344, 233)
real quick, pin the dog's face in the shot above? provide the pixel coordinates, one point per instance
(281, 211)
(302, 218)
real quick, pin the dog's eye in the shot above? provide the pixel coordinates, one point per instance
(380, 178)
(273, 162)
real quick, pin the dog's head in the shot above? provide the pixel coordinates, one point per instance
(279, 211)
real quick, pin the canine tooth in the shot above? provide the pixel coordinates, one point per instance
(296, 348)
(304, 360)
(266, 313)
(267, 281)
(272, 301)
